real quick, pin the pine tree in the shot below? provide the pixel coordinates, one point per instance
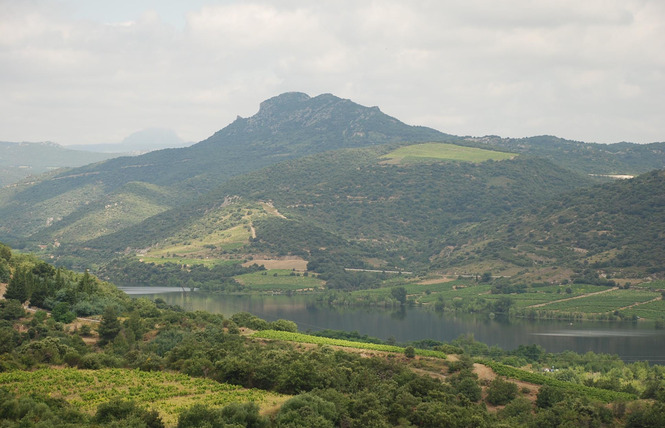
(109, 327)
(17, 288)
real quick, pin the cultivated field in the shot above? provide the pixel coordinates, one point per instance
(440, 151)
(278, 280)
(168, 393)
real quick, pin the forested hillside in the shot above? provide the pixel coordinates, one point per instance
(354, 208)
(615, 229)
(584, 158)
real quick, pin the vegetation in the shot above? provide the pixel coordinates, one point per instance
(318, 340)
(166, 392)
(149, 364)
(429, 152)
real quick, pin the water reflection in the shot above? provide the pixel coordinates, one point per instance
(631, 341)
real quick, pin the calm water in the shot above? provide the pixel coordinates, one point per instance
(631, 341)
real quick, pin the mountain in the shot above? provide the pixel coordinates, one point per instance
(614, 229)
(139, 142)
(21, 160)
(286, 126)
(332, 182)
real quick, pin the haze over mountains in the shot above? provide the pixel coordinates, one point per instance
(138, 142)
(318, 178)
(20, 160)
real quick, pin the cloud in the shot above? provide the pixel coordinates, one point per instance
(583, 70)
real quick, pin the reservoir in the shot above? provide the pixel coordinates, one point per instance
(631, 341)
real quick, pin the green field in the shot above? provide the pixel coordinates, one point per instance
(278, 280)
(441, 151)
(168, 393)
(651, 310)
(317, 340)
(605, 302)
(545, 295)
(655, 285)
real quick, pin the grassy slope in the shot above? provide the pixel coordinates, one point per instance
(441, 151)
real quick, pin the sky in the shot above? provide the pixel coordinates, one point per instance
(85, 72)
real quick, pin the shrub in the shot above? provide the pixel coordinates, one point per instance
(501, 392)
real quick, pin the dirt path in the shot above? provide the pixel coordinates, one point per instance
(641, 303)
(573, 298)
(487, 375)
(270, 208)
(251, 228)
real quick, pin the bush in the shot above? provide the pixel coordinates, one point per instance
(127, 412)
(284, 325)
(501, 392)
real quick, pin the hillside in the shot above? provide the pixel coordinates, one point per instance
(615, 229)
(354, 207)
(21, 160)
(286, 126)
(584, 158)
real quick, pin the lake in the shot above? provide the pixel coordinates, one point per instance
(631, 341)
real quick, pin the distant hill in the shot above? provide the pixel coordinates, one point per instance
(585, 158)
(615, 228)
(287, 126)
(139, 142)
(20, 160)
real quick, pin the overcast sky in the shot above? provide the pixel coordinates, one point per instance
(81, 71)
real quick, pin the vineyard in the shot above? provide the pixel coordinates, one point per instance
(606, 302)
(605, 395)
(168, 393)
(316, 340)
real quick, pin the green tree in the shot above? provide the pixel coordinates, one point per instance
(469, 388)
(501, 392)
(109, 327)
(5, 252)
(409, 352)
(548, 396)
(502, 305)
(11, 310)
(17, 288)
(399, 294)
(307, 410)
(284, 325)
(61, 313)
